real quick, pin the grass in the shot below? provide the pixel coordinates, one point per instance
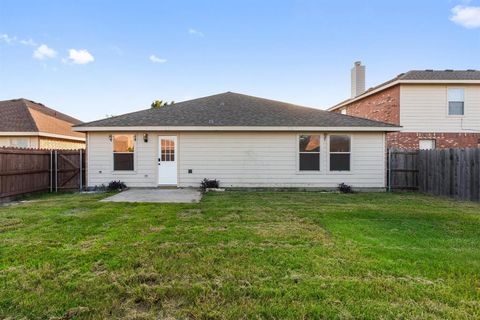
(273, 255)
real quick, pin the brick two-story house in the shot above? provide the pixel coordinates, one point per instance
(436, 109)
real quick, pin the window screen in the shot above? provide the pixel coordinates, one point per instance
(123, 152)
(456, 102)
(339, 153)
(309, 153)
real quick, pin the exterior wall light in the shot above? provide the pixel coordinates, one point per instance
(145, 137)
(110, 137)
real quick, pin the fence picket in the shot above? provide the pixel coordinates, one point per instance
(448, 172)
(30, 170)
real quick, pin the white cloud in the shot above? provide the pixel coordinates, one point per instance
(156, 59)
(14, 40)
(6, 38)
(195, 32)
(81, 56)
(466, 16)
(44, 52)
(28, 42)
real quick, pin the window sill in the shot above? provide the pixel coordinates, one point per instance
(305, 172)
(124, 172)
(337, 173)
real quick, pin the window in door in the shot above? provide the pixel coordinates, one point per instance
(167, 150)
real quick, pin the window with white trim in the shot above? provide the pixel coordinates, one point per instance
(123, 152)
(339, 152)
(426, 144)
(309, 152)
(456, 101)
(20, 142)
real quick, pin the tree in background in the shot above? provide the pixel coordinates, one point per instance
(160, 103)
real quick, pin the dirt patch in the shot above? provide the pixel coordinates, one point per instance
(9, 224)
(291, 230)
(189, 214)
(72, 313)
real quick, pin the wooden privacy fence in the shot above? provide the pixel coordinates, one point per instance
(448, 172)
(29, 170)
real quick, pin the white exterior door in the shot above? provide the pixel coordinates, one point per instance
(167, 160)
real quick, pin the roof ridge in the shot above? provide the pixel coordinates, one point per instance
(24, 102)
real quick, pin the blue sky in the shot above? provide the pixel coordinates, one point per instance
(93, 58)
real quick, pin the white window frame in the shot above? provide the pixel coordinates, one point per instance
(350, 171)
(134, 171)
(15, 146)
(434, 143)
(448, 103)
(343, 111)
(297, 141)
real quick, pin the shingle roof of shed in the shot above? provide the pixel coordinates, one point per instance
(233, 109)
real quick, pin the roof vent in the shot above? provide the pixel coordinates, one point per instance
(449, 70)
(210, 121)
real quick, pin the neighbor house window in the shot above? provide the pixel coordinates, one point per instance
(426, 144)
(309, 152)
(343, 111)
(20, 142)
(456, 102)
(123, 151)
(339, 152)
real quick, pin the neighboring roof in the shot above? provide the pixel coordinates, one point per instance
(420, 76)
(21, 115)
(232, 110)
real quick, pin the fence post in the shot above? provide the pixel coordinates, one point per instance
(56, 170)
(389, 170)
(51, 170)
(81, 171)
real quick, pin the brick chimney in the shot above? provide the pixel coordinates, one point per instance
(358, 79)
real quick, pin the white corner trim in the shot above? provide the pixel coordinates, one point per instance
(230, 128)
(40, 134)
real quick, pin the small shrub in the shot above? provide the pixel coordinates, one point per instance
(116, 186)
(345, 188)
(209, 184)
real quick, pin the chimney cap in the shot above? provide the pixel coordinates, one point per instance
(358, 63)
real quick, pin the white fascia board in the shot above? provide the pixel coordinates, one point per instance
(40, 134)
(229, 128)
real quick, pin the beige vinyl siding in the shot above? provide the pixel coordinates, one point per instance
(100, 161)
(269, 159)
(424, 108)
(239, 159)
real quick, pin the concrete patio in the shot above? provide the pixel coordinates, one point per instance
(156, 196)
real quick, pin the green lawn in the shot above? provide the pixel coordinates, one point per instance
(236, 255)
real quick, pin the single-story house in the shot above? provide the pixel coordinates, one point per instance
(241, 140)
(29, 124)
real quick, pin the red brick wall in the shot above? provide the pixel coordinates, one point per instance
(409, 140)
(381, 106)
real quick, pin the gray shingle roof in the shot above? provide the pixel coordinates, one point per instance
(440, 75)
(233, 109)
